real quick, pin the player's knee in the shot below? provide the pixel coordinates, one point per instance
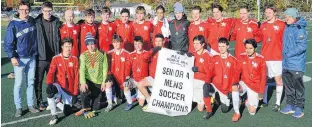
(224, 108)
(51, 91)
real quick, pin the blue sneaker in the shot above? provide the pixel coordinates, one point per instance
(289, 109)
(128, 107)
(298, 113)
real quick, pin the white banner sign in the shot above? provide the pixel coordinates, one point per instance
(173, 85)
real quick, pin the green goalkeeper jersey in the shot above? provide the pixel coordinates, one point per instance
(93, 67)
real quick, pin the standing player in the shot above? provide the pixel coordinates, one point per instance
(179, 30)
(200, 69)
(92, 76)
(218, 27)
(143, 28)
(22, 49)
(62, 79)
(118, 60)
(125, 29)
(253, 79)
(139, 67)
(197, 27)
(71, 30)
(106, 30)
(294, 62)
(88, 26)
(244, 28)
(272, 34)
(161, 25)
(153, 56)
(224, 73)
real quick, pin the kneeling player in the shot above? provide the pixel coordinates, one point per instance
(139, 68)
(149, 81)
(253, 79)
(224, 73)
(62, 80)
(200, 69)
(118, 69)
(92, 75)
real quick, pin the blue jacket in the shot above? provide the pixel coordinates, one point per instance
(295, 46)
(20, 39)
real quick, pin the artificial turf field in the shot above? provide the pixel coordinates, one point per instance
(136, 117)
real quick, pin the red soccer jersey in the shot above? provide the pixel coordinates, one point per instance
(72, 32)
(106, 33)
(224, 73)
(272, 40)
(194, 30)
(202, 61)
(84, 29)
(126, 31)
(139, 65)
(243, 31)
(119, 65)
(217, 30)
(144, 30)
(253, 72)
(60, 68)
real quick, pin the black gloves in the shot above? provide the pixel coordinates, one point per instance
(195, 69)
(189, 54)
(208, 90)
(156, 49)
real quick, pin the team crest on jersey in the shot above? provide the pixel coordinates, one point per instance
(201, 28)
(64, 32)
(249, 29)
(145, 28)
(201, 60)
(228, 64)
(264, 28)
(84, 27)
(123, 59)
(110, 28)
(223, 24)
(276, 27)
(100, 28)
(238, 29)
(134, 58)
(126, 26)
(254, 64)
(74, 32)
(244, 62)
(60, 65)
(70, 64)
(216, 62)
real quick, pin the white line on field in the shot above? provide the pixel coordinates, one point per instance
(309, 62)
(26, 119)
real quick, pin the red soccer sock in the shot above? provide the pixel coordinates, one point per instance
(207, 101)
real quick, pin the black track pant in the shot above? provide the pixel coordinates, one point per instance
(294, 88)
(42, 68)
(92, 97)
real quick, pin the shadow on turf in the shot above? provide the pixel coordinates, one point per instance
(5, 75)
(5, 60)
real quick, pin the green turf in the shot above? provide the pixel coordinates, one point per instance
(136, 117)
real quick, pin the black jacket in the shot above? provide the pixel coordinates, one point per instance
(179, 38)
(43, 54)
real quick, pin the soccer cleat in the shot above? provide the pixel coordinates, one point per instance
(298, 113)
(11, 76)
(145, 108)
(18, 112)
(128, 107)
(207, 115)
(236, 117)
(289, 109)
(42, 106)
(109, 108)
(33, 110)
(53, 120)
(276, 108)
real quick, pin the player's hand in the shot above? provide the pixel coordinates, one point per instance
(260, 96)
(195, 69)
(181, 52)
(230, 95)
(156, 49)
(14, 61)
(103, 87)
(189, 54)
(83, 87)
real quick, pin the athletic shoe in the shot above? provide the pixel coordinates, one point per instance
(276, 108)
(236, 117)
(53, 120)
(18, 112)
(109, 108)
(207, 115)
(145, 107)
(128, 107)
(42, 106)
(298, 113)
(33, 110)
(11, 76)
(289, 109)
